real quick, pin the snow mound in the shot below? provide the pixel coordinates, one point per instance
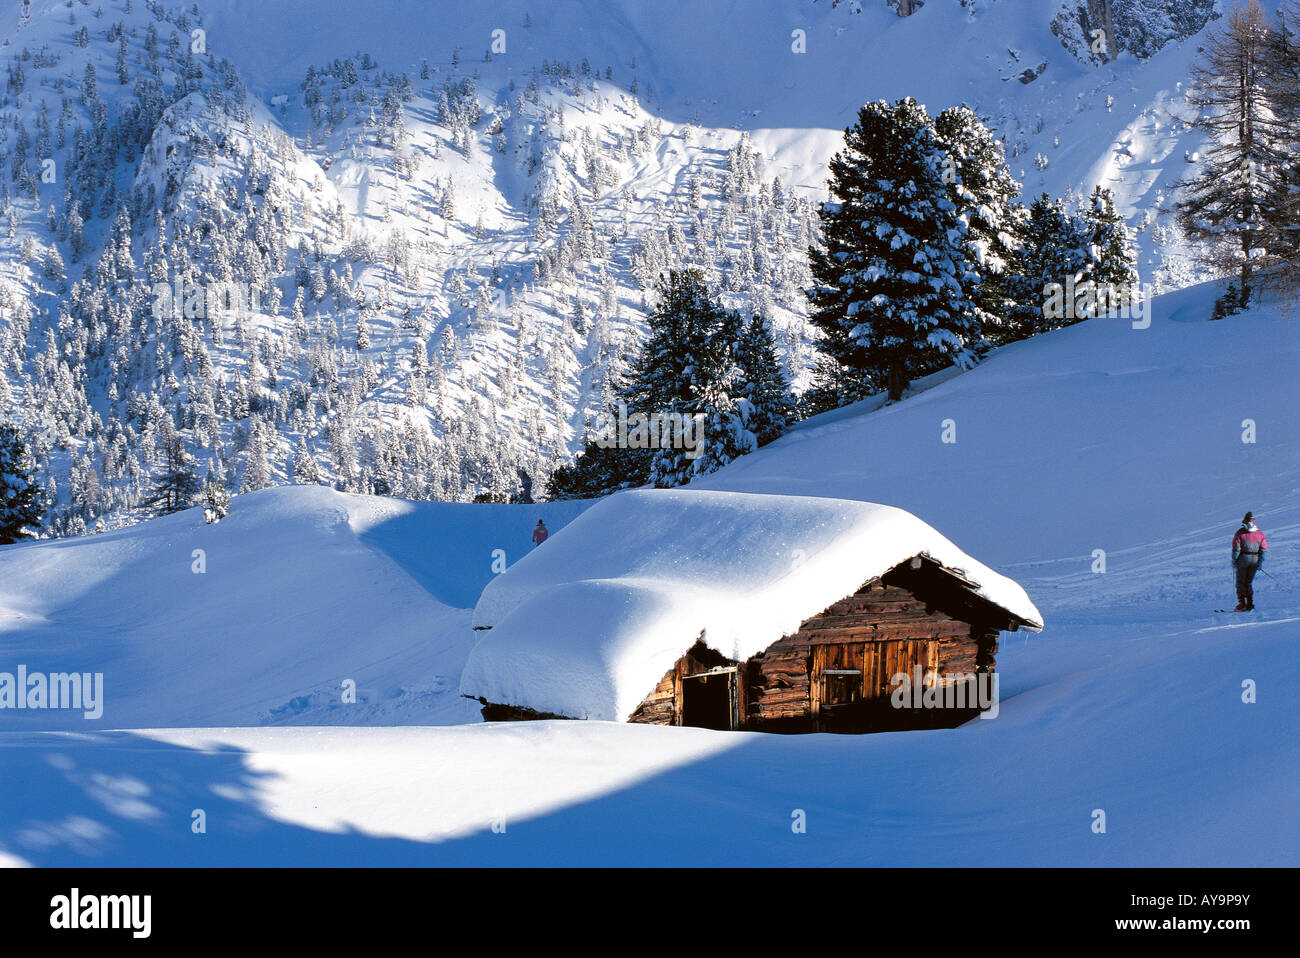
(587, 624)
(261, 618)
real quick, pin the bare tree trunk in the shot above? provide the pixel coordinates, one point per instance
(897, 381)
(1101, 14)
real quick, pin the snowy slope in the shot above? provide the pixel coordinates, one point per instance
(301, 589)
(1098, 436)
(1131, 702)
(1186, 774)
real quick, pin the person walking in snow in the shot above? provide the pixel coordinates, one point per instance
(1248, 549)
(539, 533)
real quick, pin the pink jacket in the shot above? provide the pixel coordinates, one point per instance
(1249, 540)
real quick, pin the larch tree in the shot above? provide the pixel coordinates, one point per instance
(1229, 202)
(1282, 88)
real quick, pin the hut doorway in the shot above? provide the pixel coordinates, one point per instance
(709, 699)
(851, 683)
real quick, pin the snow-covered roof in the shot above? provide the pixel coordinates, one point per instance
(589, 622)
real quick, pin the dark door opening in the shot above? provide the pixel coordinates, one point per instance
(709, 700)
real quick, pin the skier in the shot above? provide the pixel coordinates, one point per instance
(539, 533)
(1248, 549)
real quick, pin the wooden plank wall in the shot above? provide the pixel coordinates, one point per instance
(780, 688)
(663, 706)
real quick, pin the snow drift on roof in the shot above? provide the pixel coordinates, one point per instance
(588, 623)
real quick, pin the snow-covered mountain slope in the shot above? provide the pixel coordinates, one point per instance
(470, 201)
(1134, 701)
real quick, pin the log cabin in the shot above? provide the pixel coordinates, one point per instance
(738, 611)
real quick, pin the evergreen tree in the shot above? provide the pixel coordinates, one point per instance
(598, 471)
(216, 500)
(1110, 254)
(176, 486)
(714, 398)
(832, 387)
(893, 273)
(763, 384)
(985, 192)
(20, 497)
(305, 470)
(1052, 250)
(664, 375)
(1088, 257)
(699, 360)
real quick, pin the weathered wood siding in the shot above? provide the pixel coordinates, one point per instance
(663, 706)
(881, 630)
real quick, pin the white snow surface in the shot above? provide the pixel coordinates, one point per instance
(587, 624)
(1133, 700)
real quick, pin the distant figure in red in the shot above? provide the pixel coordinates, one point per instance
(1248, 549)
(539, 533)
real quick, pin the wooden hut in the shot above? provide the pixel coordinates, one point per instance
(810, 635)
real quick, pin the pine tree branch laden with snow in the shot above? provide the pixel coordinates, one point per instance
(894, 271)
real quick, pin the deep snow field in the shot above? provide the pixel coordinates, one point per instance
(223, 689)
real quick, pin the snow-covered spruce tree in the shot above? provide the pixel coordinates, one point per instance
(20, 496)
(662, 375)
(1053, 247)
(1084, 256)
(1226, 204)
(985, 193)
(687, 367)
(832, 387)
(698, 360)
(893, 274)
(177, 485)
(666, 377)
(216, 500)
(762, 383)
(716, 396)
(1110, 251)
(598, 471)
(257, 469)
